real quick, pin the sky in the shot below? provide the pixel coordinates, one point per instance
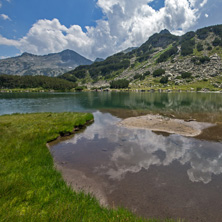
(96, 28)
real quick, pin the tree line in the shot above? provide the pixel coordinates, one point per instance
(12, 82)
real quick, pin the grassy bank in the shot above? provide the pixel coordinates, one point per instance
(31, 189)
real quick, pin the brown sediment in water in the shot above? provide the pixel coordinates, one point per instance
(74, 178)
(165, 124)
(82, 183)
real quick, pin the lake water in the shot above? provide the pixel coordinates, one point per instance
(152, 174)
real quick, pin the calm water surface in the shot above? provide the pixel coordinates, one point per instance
(152, 174)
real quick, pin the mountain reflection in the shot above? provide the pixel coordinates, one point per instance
(137, 149)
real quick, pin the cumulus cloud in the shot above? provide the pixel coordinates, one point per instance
(50, 36)
(9, 42)
(126, 23)
(5, 17)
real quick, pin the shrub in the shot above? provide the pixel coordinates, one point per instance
(142, 77)
(200, 60)
(158, 72)
(119, 84)
(217, 29)
(79, 88)
(209, 48)
(186, 75)
(202, 33)
(163, 57)
(81, 74)
(204, 59)
(187, 36)
(216, 42)
(187, 47)
(199, 47)
(147, 73)
(164, 80)
(142, 58)
(138, 76)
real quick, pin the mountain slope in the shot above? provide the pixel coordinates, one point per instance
(193, 57)
(49, 65)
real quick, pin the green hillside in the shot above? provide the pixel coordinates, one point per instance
(191, 61)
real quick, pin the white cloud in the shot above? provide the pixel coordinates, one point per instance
(203, 3)
(9, 42)
(206, 15)
(196, 3)
(5, 17)
(50, 36)
(0, 4)
(126, 23)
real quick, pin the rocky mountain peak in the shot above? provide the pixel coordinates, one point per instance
(165, 31)
(26, 54)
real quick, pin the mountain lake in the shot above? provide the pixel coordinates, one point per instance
(153, 174)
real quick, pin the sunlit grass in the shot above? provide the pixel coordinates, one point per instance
(30, 187)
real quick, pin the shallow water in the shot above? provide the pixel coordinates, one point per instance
(153, 174)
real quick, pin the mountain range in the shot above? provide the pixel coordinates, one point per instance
(49, 65)
(193, 59)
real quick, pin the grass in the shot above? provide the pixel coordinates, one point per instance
(31, 189)
(197, 53)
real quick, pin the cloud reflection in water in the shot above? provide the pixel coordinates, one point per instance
(138, 148)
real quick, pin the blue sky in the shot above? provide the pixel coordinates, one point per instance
(96, 28)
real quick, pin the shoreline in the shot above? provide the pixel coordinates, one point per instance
(157, 90)
(74, 178)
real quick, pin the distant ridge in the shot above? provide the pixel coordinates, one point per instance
(52, 64)
(99, 60)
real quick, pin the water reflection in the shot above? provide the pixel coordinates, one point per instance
(91, 101)
(137, 149)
